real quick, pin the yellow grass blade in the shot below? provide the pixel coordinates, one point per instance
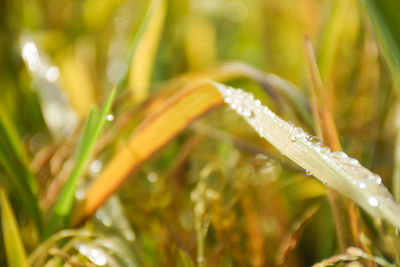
(143, 59)
(15, 251)
(155, 132)
(75, 76)
(200, 43)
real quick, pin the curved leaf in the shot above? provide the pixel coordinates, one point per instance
(153, 134)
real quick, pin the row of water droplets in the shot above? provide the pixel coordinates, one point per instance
(254, 112)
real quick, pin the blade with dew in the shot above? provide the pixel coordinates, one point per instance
(15, 251)
(344, 174)
(65, 201)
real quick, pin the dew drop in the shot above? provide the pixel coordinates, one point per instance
(376, 178)
(351, 161)
(152, 177)
(325, 150)
(362, 185)
(95, 167)
(109, 117)
(314, 140)
(373, 201)
(293, 138)
(248, 113)
(339, 155)
(308, 172)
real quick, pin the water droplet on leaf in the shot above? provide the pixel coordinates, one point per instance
(373, 201)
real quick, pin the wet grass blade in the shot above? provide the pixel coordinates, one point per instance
(15, 251)
(384, 16)
(153, 134)
(65, 201)
(14, 160)
(342, 173)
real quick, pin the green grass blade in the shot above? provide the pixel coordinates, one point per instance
(14, 160)
(16, 149)
(15, 251)
(90, 134)
(387, 26)
(384, 16)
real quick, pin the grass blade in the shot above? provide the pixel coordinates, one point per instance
(292, 238)
(15, 251)
(146, 50)
(387, 27)
(396, 171)
(336, 169)
(136, 42)
(64, 204)
(352, 254)
(326, 129)
(185, 258)
(14, 160)
(155, 132)
(331, 37)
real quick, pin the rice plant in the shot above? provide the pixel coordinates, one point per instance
(199, 133)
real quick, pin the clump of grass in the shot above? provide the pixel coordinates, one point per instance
(155, 188)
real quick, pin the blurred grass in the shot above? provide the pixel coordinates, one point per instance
(60, 217)
(142, 63)
(384, 18)
(11, 237)
(150, 50)
(15, 161)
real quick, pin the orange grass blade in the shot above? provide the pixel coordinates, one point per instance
(153, 134)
